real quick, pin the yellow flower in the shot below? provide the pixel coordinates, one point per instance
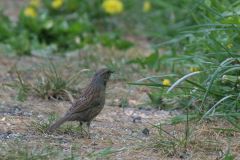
(56, 4)
(146, 6)
(230, 46)
(34, 3)
(112, 6)
(192, 69)
(166, 82)
(29, 11)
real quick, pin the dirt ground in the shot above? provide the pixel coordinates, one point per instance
(117, 133)
(22, 123)
(113, 127)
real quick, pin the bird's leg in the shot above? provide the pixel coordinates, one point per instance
(88, 125)
(81, 128)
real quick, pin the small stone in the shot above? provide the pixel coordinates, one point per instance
(94, 144)
(85, 147)
(184, 155)
(145, 132)
(9, 132)
(40, 116)
(137, 117)
(173, 133)
(30, 113)
(9, 124)
(154, 150)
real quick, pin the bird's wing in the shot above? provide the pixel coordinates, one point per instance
(85, 103)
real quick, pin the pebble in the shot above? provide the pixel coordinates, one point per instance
(93, 143)
(137, 117)
(145, 131)
(154, 150)
(9, 124)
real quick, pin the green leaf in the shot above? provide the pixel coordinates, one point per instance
(75, 28)
(4, 32)
(137, 60)
(231, 20)
(123, 44)
(152, 61)
(152, 57)
(209, 9)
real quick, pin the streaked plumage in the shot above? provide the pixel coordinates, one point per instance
(90, 102)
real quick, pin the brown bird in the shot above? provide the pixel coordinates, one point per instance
(90, 103)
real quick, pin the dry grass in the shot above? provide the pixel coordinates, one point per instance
(114, 127)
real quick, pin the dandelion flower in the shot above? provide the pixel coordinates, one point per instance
(34, 3)
(166, 82)
(193, 69)
(230, 46)
(230, 80)
(29, 11)
(56, 4)
(146, 6)
(112, 6)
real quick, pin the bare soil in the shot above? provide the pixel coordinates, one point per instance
(116, 127)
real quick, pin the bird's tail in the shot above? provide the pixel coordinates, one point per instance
(58, 123)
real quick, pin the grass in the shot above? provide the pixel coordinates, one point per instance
(49, 84)
(111, 132)
(19, 151)
(202, 121)
(103, 153)
(41, 125)
(47, 111)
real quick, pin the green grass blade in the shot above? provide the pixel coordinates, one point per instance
(213, 77)
(199, 56)
(213, 108)
(181, 79)
(209, 9)
(125, 100)
(234, 124)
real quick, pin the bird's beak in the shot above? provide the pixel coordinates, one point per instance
(114, 72)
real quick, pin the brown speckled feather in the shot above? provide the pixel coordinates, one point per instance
(83, 103)
(90, 102)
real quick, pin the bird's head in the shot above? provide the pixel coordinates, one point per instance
(102, 75)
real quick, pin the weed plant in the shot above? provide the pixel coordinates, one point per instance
(211, 92)
(49, 84)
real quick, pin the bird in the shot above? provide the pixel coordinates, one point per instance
(89, 104)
